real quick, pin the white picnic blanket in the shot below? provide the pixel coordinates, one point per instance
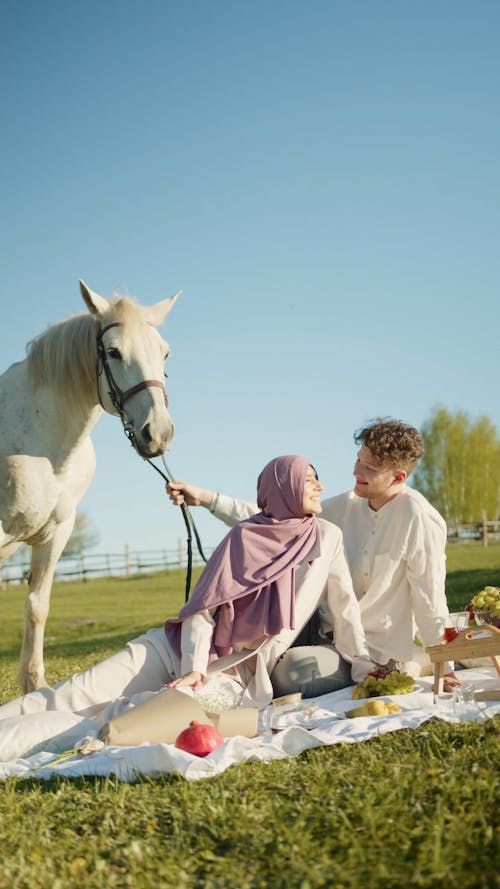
(50, 734)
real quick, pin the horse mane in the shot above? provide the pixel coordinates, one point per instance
(66, 354)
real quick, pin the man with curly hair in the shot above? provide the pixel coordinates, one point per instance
(395, 547)
(394, 542)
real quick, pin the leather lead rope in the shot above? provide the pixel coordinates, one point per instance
(118, 399)
(189, 523)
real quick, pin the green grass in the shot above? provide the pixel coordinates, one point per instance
(88, 621)
(412, 809)
(470, 567)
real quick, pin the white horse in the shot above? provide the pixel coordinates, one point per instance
(111, 359)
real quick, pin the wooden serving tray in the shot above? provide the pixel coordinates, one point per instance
(492, 695)
(483, 641)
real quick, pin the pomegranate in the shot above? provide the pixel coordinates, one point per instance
(199, 738)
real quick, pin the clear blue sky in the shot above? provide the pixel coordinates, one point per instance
(320, 179)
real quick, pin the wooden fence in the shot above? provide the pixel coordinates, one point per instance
(84, 566)
(485, 531)
(128, 562)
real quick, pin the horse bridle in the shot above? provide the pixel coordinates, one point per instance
(118, 399)
(116, 395)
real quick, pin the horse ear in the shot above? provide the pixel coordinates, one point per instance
(96, 304)
(156, 314)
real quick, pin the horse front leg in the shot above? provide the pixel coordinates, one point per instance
(44, 559)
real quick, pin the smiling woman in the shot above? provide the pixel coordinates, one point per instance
(312, 493)
(258, 590)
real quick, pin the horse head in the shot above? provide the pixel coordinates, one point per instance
(130, 367)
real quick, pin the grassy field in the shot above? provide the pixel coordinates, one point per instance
(470, 567)
(413, 809)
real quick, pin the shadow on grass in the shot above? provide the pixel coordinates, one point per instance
(103, 783)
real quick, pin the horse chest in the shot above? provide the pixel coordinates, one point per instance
(35, 496)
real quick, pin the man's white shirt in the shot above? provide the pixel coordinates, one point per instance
(397, 561)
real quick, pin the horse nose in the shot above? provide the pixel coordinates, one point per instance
(146, 433)
(153, 440)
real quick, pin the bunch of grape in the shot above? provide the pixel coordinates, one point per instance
(383, 682)
(488, 600)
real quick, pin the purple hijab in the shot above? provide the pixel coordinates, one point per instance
(250, 578)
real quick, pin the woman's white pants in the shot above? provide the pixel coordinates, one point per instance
(145, 664)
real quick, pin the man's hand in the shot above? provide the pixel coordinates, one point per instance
(450, 682)
(194, 680)
(182, 492)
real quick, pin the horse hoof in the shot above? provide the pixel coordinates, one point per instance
(32, 683)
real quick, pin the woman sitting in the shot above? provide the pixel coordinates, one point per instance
(258, 590)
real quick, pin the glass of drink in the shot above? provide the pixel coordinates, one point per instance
(450, 633)
(461, 619)
(457, 621)
(291, 710)
(465, 706)
(444, 704)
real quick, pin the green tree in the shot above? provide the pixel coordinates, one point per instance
(459, 472)
(83, 537)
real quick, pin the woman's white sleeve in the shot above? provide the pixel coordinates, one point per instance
(196, 636)
(230, 510)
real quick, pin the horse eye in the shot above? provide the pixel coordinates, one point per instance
(115, 353)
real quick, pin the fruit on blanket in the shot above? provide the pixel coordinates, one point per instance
(392, 682)
(199, 738)
(393, 707)
(374, 708)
